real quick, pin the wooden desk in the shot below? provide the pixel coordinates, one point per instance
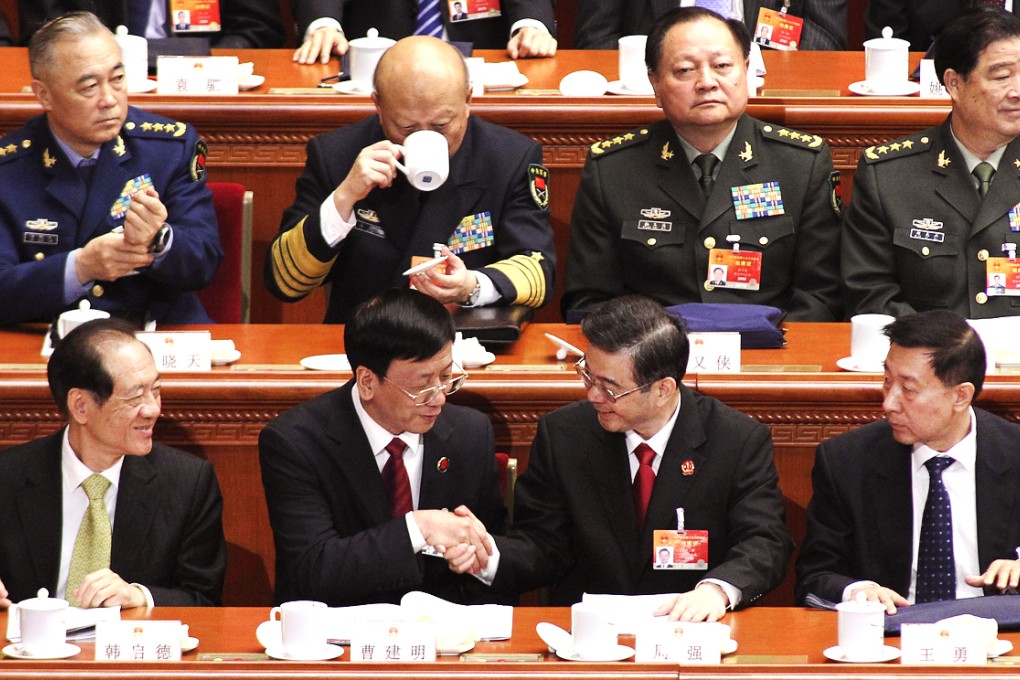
(772, 642)
(258, 138)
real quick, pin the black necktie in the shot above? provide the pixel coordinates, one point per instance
(984, 172)
(936, 565)
(706, 163)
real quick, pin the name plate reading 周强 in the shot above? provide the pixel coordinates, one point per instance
(679, 642)
(138, 641)
(395, 641)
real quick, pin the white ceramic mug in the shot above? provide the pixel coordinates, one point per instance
(43, 626)
(476, 75)
(365, 55)
(886, 62)
(134, 53)
(868, 344)
(302, 627)
(426, 157)
(593, 633)
(861, 629)
(633, 70)
(73, 318)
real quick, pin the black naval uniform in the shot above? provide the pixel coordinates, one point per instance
(641, 223)
(917, 236)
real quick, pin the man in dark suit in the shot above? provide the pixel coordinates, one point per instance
(165, 545)
(881, 490)
(924, 231)
(643, 444)
(246, 24)
(357, 222)
(357, 521)
(918, 21)
(659, 206)
(601, 23)
(526, 28)
(101, 201)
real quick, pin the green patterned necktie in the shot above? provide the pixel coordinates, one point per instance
(983, 171)
(92, 547)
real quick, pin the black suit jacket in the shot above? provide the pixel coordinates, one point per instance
(860, 518)
(335, 539)
(600, 23)
(246, 23)
(919, 21)
(167, 530)
(574, 520)
(396, 19)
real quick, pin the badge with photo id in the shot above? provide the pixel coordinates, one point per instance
(1002, 276)
(686, 550)
(738, 269)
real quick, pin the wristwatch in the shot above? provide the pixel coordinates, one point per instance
(472, 299)
(161, 239)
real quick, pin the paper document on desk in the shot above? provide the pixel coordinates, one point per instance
(81, 623)
(491, 621)
(628, 612)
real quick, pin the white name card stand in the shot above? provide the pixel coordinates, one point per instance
(138, 641)
(683, 643)
(714, 353)
(933, 643)
(394, 641)
(179, 351)
(196, 75)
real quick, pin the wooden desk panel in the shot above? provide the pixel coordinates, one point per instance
(258, 138)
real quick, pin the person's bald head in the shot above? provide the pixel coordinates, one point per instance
(421, 83)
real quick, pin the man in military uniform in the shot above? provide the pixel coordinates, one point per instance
(659, 208)
(934, 216)
(101, 202)
(357, 222)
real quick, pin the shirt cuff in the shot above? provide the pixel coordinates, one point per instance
(148, 596)
(488, 574)
(418, 541)
(72, 289)
(322, 22)
(333, 225)
(732, 592)
(853, 586)
(487, 294)
(525, 23)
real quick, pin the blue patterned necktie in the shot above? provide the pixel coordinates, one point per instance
(429, 22)
(723, 8)
(936, 567)
(138, 16)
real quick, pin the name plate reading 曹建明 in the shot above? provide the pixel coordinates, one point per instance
(394, 641)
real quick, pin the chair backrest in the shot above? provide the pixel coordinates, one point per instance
(507, 480)
(228, 298)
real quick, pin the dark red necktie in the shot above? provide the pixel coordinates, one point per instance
(644, 480)
(394, 474)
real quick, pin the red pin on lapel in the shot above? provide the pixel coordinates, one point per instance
(443, 465)
(687, 467)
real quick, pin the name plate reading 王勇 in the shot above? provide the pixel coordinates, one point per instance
(196, 75)
(678, 642)
(714, 353)
(934, 643)
(394, 641)
(179, 351)
(138, 641)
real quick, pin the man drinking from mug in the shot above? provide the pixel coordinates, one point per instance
(357, 221)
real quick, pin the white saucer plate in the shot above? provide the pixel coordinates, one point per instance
(1000, 647)
(520, 81)
(617, 87)
(613, 653)
(143, 87)
(883, 654)
(327, 362)
(250, 82)
(479, 360)
(728, 646)
(325, 654)
(850, 364)
(904, 89)
(757, 81)
(189, 643)
(350, 87)
(228, 357)
(454, 650)
(66, 652)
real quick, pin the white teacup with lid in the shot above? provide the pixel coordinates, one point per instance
(886, 62)
(134, 53)
(43, 625)
(73, 318)
(365, 55)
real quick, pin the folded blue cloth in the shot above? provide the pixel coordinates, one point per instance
(758, 325)
(1005, 609)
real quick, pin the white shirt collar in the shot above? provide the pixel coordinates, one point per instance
(657, 442)
(74, 472)
(963, 451)
(378, 436)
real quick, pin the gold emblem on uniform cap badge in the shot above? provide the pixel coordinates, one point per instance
(943, 161)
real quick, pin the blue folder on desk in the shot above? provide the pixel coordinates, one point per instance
(1005, 609)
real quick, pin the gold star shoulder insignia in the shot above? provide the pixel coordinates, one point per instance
(943, 161)
(158, 127)
(794, 135)
(801, 140)
(181, 129)
(1016, 163)
(599, 148)
(119, 148)
(146, 126)
(883, 149)
(666, 154)
(784, 133)
(629, 136)
(618, 140)
(746, 155)
(895, 146)
(12, 148)
(898, 148)
(3, 151)
(48, 160)
(537, 256)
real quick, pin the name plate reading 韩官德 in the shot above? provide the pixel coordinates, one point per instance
(138, 641)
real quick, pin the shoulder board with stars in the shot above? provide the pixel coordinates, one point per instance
(11, 148)
(618, 142)
(792, 137)
(155, 129)
(897, 149)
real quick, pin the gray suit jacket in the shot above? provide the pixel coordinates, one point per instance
(575, 526)
(860, 518)
(167, 531)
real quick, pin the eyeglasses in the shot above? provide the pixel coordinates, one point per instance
(590, 382)
(428, 395)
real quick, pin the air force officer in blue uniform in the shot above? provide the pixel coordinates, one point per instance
(78, 217)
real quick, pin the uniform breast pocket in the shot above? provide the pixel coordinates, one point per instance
(926, 264)
(652, 234)
(775, 239)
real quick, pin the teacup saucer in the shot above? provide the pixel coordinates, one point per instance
(851, 364)
(189, 643)
(611, 653)
(325, 654)
(65, 652)
(617, 87)
(351, 87)
(904, 89)
(881, 655)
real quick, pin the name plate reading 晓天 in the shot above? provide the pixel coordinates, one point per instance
(196, 75)
(179, 351)
(396, 641)
(138, 641)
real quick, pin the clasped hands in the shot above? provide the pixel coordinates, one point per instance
(101, 588)
(120, 253)
(459, 536)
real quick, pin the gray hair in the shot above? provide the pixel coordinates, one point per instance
(71, 25)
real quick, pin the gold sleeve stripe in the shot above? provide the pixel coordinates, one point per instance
(526, 275)
(295, 270)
